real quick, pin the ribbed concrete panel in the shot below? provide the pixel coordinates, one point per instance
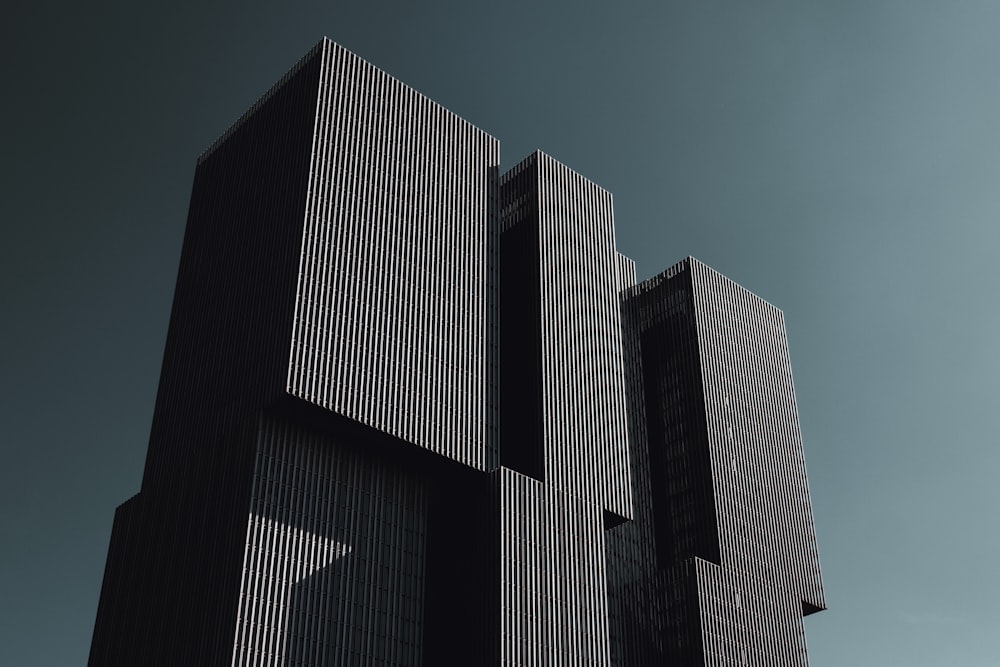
(393, 299)
(333, 572)
(732, 520)
(565, 223)
(553, 607)
(761, 492)
(746, 621)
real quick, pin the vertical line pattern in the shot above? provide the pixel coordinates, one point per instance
(394, 280)
(761, 491)
(651, 504)
(554, 592)
(334, 562)
(584, 428)
(724, 437)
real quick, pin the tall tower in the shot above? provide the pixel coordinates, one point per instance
(564, 436)
(411, 412)
(328, 356)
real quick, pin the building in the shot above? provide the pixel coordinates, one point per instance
(412, 411)
(722, 553)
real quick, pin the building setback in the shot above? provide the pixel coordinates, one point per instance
(412, 411)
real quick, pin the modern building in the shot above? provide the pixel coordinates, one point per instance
(412, 411)
(720, 564)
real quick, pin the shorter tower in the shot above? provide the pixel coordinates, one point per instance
(728, 513)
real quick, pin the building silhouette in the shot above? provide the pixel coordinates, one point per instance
(412, 411)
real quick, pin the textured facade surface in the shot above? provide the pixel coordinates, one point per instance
(413, 412)
(340, 252)
(391, 306)
(554, 591)
(558, 251)
(729, 514)
(334, 561)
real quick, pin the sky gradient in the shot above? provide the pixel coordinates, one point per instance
(840, 159)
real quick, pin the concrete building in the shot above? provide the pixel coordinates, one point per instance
(413, 412)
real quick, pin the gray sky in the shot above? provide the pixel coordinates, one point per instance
(838, 158)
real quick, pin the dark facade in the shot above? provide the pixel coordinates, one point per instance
(413, 412)
(721, 564)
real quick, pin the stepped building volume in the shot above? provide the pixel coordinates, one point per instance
(413, 411)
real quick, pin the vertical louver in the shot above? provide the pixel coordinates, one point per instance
(561, 264)
(732, 527)
(333, 571)
(553, 608)
(394, 277)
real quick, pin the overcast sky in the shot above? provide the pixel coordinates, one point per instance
(840, 159)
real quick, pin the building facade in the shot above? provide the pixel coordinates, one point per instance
(412, 411)
(726, 539)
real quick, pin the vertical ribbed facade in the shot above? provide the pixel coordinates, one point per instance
(565, 423)
(333, 571)
(559, 268)
(744, 620)
(553, 607)
(340, 252)
(411, 412)
(762, 495)
(393, 295)
(736, 564)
